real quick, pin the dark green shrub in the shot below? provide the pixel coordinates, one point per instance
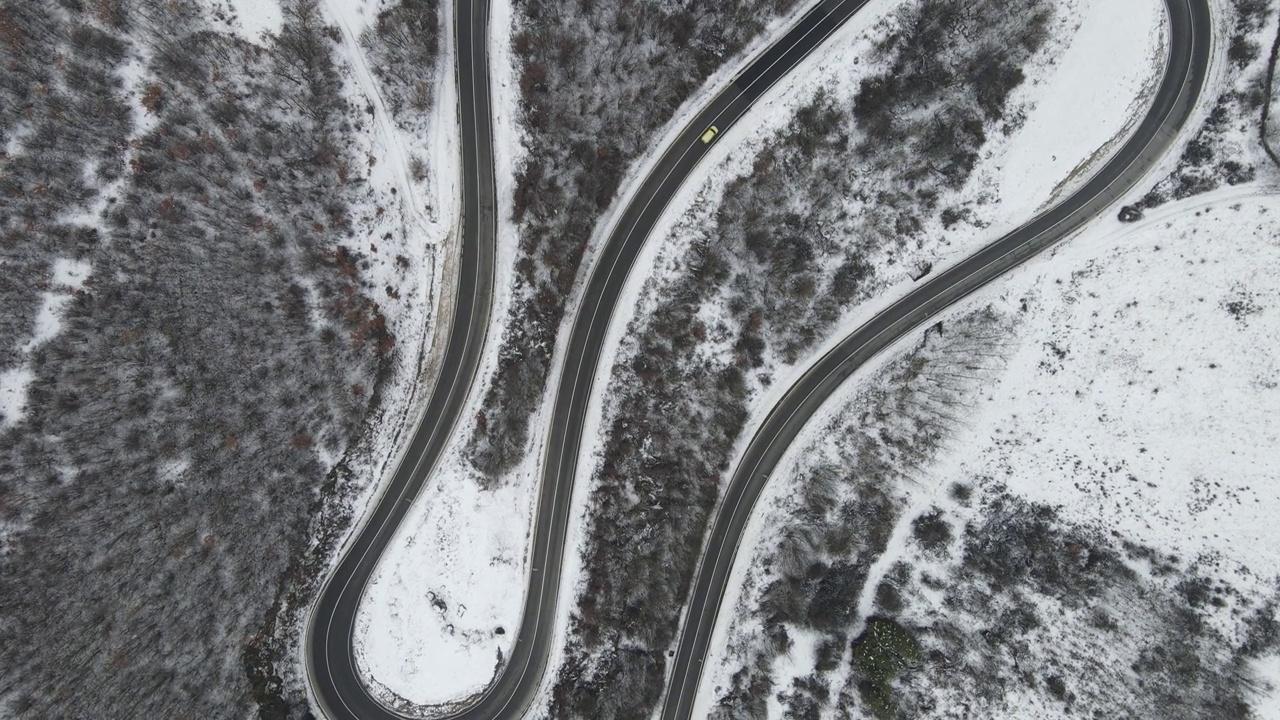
(880, 654)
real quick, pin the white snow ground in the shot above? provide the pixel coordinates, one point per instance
(1076, 145)
(1143, 391)
(13, 393)
(251, 18)
(1139, 394)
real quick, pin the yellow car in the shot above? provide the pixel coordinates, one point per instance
(710, 134)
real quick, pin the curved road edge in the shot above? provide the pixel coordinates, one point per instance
(1185, 71)
(332, 675)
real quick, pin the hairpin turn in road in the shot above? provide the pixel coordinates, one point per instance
(331, 668)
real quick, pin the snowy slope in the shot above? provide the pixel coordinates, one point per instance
(1143, 391)
(1141, 395)
(1104, 56)
(1138, 396)
(1047, 155)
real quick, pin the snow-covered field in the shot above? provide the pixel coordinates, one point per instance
(439, 616)
(1139, 396)
(1142, 395)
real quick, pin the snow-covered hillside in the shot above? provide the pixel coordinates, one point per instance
(1133, 406)
(893, 215)
(1143, 392)
(1095, 531)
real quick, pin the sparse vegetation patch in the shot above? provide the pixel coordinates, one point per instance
(1226, 149)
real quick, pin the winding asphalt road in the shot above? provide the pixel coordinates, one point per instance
(1184, 75)
(331, 669)
(330, 659)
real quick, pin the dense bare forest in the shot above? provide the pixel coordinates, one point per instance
(186, 401)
